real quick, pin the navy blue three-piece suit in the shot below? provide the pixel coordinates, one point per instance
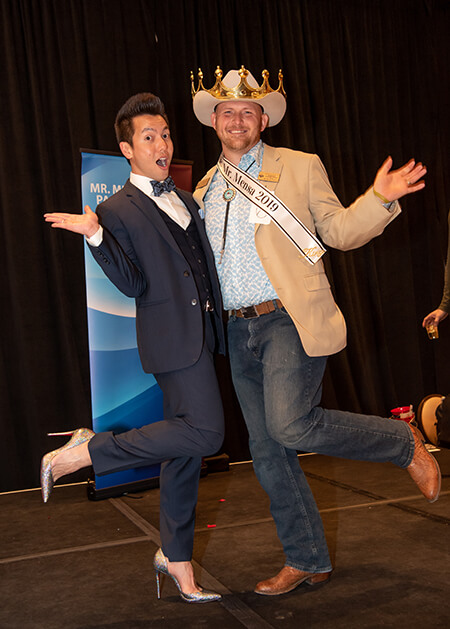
(176, 338)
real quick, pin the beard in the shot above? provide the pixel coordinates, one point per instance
(240, 143)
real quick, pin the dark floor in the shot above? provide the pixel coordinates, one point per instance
(79, 564)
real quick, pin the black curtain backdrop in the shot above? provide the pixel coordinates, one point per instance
(364, 79)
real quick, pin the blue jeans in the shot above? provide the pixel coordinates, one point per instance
(279, 388)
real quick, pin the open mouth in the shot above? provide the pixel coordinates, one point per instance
(162, 161)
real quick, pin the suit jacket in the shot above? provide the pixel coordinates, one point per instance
(140, 256)
(304, 289)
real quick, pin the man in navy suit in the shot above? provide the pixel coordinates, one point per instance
(150, 241)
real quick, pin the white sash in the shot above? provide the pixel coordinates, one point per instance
(265, 200)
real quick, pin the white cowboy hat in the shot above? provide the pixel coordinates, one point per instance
(272, 102)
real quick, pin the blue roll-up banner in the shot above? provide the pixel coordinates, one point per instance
(122, 395)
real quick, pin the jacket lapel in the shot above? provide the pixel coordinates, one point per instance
(271, 166)
(194, 211)
(151, 212)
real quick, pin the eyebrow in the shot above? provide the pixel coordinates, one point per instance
(153, 129)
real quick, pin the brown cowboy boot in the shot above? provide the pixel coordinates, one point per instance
(288, 579)
(424, 469)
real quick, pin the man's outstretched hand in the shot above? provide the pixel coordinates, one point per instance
(85, 224)
(394, 184)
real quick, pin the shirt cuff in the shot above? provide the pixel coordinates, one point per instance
(389, 205)
(97, 239)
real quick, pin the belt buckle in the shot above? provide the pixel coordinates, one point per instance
(249, 312)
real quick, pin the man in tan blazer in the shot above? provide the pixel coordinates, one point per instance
(283, 321)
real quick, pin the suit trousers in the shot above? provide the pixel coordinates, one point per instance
(193, 427)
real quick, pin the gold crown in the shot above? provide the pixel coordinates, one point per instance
(243, 90)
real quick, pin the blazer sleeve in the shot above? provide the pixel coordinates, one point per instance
(340, 227)
(116, 256)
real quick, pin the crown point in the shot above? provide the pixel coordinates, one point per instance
(243, 90)
(280, 83)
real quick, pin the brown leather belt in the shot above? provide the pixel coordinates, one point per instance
(250, 312)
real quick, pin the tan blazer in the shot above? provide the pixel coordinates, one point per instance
(304, 289)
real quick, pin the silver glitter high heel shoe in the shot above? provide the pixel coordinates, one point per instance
(78, 437)
(202, 596)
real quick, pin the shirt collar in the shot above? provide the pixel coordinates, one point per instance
(254, 154)
(143, 183)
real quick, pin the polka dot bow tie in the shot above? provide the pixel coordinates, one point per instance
(163, 186)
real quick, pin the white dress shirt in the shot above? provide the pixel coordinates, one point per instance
(168, 202)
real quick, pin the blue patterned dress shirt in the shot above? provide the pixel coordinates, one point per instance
(242, 277)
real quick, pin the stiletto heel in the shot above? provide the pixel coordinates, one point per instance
(78, 437)
(158, 590)
(202, 596)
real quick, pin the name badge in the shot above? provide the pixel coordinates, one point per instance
(272, 177)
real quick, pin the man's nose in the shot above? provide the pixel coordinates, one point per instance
(162, 142)
(237, 117)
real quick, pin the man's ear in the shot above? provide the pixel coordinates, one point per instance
(213, 119)
(126, 149)
(264, 121)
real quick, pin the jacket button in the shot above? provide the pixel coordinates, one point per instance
(194, 302)
(186, 274)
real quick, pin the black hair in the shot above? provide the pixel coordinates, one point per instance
(137, 105)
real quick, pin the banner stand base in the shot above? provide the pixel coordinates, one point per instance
(211, 464)
(217, 463)
(120, 490)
